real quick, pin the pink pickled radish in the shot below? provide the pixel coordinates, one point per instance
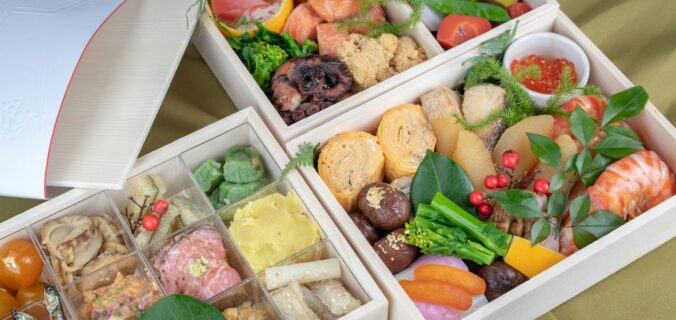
(443, 260)
(433, 311)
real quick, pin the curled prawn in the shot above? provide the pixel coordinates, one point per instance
(627, 188)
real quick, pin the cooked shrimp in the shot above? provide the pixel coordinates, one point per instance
(593, 105)
(627, 188)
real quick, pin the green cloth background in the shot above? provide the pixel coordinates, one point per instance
(638, 35)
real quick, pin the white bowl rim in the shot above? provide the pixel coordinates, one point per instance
(533, 36)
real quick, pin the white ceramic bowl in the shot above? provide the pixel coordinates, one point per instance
(551, 46)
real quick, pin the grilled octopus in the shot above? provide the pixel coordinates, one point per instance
(304, 86)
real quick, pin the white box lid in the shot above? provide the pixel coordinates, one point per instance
(113, 96)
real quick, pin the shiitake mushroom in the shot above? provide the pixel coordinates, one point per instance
(386, 207)
(365, 227)
(500, 278)
(396, 254)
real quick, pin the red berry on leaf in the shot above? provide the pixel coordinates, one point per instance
(502, 181)
(161, 206)
(491, 182)
(541, 185)
(150, 222)
(476, 198)
(485, 209)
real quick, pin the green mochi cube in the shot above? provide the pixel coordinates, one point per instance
(243, 165)
(209, 175)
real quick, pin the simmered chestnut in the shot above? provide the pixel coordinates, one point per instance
(396, 254)
(364, 225)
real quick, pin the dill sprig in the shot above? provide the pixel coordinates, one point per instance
(304, 157)
(567, 88)
(376, 29)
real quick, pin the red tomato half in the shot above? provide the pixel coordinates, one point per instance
(456, 29)
(231, 10)
(518, 9)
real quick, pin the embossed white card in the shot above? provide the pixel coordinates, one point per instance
(41, 42)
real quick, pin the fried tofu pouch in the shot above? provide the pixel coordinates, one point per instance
(348, 162)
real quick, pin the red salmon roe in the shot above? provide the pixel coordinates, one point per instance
(550, 73)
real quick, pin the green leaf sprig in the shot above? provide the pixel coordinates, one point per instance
(361, 20)
(181, 307)
(304, 157)
(469, 8)
(619, 141)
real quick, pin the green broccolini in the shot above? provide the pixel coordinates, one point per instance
(262, 59)
(430, 232)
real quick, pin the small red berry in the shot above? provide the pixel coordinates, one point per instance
(150, 222)
(476, 198)
(485, 209)
(541, 185)
(161, 206)
(510, 159)
(491, 182)
(502, 181)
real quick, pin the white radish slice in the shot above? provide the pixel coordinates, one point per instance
(277, 277)
(431, 18)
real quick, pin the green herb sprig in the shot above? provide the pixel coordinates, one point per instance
(469, 8)
(361, 20)
(620, 141)
(304, 157)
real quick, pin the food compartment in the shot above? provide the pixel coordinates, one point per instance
(231, 166)
(82, 238)
(201, 260)
(271, 225)
(121, 290)
(23, 290)
(245, 299)
(314, 282)
(160, 201)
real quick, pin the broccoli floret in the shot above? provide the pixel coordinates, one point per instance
(262, 59)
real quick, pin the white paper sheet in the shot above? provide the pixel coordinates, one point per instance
(41, 42)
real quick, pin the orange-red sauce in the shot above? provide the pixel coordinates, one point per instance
(550, 73)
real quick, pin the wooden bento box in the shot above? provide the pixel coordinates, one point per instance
(244, 92)
(570, 276)
(173, 165)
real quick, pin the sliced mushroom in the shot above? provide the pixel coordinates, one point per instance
(79, 251)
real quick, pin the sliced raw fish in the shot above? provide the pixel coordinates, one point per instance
(334, 10)
(302, 23)
(329, 37)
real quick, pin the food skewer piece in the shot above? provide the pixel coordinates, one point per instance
(291, 304)
(334, 296)
(277, 277)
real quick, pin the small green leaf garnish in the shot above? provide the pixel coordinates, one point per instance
(539, 231)
(557, 181)
(545, 149)
(304, 157)
(618, 146)
(595, 226)
(469, 8)
(519, 203)
(624, 105)
(579, 208)
(556, 204)
(582, 125)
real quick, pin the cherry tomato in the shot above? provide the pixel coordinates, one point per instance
(502, 181)
(20, 265)
(491, 182)
(161, 206)
(7, 303)
(150, 222)
(518, 9)
(485, 209)
(456, 29)
(510, 159)
(32, 293)
(541, 185)
(476, 198)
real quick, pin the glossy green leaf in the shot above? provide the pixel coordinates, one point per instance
(438, 173)
(583, 161)
(518, 203)
(618, 146)
(582, 125)
(599, 164)
(557, 181)
(579, 208)
(624, 105)
(570, 163)
(556, 204)
(595, 226)
(181, 307)
(545, 149)
(469, 8)
(539, 231)
(624, 131)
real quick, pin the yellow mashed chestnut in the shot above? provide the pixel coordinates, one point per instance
(273, 228)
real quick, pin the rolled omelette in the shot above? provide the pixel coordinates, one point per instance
(348, 162)
(405, 135)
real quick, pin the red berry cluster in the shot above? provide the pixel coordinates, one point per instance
(151, 221)
(509, 161)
